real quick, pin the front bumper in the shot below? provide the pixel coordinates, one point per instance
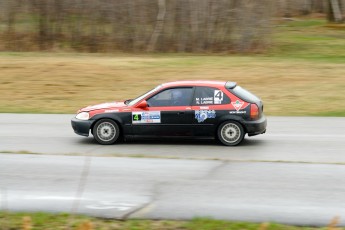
(256, 127)
(81, 127)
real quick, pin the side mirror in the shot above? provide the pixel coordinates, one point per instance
(142, 104)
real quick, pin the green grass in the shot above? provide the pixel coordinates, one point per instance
(309, 39)
(44, 221)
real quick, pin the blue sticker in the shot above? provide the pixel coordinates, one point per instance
(202, 115)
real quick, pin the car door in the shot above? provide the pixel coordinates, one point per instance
(208, 104)
(169, 113)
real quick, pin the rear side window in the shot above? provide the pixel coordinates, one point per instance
(244, 94)
(210, 96)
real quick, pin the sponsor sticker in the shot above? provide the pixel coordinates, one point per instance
(146, 117)
(111, 110)
(238, 112)
(202, 115)
(237, 104)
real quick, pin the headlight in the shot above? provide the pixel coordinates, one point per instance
(83, 116)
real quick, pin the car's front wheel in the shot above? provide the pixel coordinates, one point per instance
(230, 133)
(106, 131)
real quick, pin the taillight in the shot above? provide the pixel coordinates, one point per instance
(254, 111)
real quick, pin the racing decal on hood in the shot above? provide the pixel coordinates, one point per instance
(237, 104)
(202, 115)
(109, 105)
(146, 117)
(111, 110)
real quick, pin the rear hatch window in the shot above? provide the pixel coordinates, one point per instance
(244, 94)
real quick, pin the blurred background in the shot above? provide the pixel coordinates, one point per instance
(72, 52)
(151, 25)
(57, 56)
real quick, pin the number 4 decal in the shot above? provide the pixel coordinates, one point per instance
(218, 97)
(136, 117)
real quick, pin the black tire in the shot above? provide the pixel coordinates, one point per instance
(230, 133)
(106, 131)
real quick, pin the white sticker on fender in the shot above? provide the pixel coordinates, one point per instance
(146, 117)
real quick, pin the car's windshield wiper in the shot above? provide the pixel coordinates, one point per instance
(128, 101)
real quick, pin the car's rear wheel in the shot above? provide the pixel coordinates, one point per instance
(231, 133)
(106, 131)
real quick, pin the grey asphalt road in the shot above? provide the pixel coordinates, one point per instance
(293, 174)
(293, 139)
(292, 193)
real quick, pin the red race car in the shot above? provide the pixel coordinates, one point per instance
(192, 109)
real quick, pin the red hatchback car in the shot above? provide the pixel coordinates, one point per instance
(192, 109)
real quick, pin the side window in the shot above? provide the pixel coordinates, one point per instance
(172, 97)
(210, 96)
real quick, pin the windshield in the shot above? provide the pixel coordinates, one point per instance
(136, 100)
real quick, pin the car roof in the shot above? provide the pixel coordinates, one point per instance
(194, 83)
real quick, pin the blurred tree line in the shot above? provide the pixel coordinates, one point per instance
(149, 25)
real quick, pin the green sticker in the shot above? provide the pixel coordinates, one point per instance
(136, 117)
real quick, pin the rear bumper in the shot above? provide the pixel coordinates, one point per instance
(81, 127)
(256, 127)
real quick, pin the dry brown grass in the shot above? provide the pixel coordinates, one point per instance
(87, 225)
(62, 83)
(27, 223)
(333, 224)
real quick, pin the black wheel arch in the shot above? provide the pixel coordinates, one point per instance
(110, 116)
(229, 117)
(235, 122)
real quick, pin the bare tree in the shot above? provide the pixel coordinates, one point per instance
(139, 25)
(335, 14)
(11, 11)
(306, 7)
(159, 25)
(183, 24)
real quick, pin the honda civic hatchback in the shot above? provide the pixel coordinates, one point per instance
(186, 109)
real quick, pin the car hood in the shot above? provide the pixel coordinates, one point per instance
(108, 105)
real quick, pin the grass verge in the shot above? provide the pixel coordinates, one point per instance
(43, 221)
